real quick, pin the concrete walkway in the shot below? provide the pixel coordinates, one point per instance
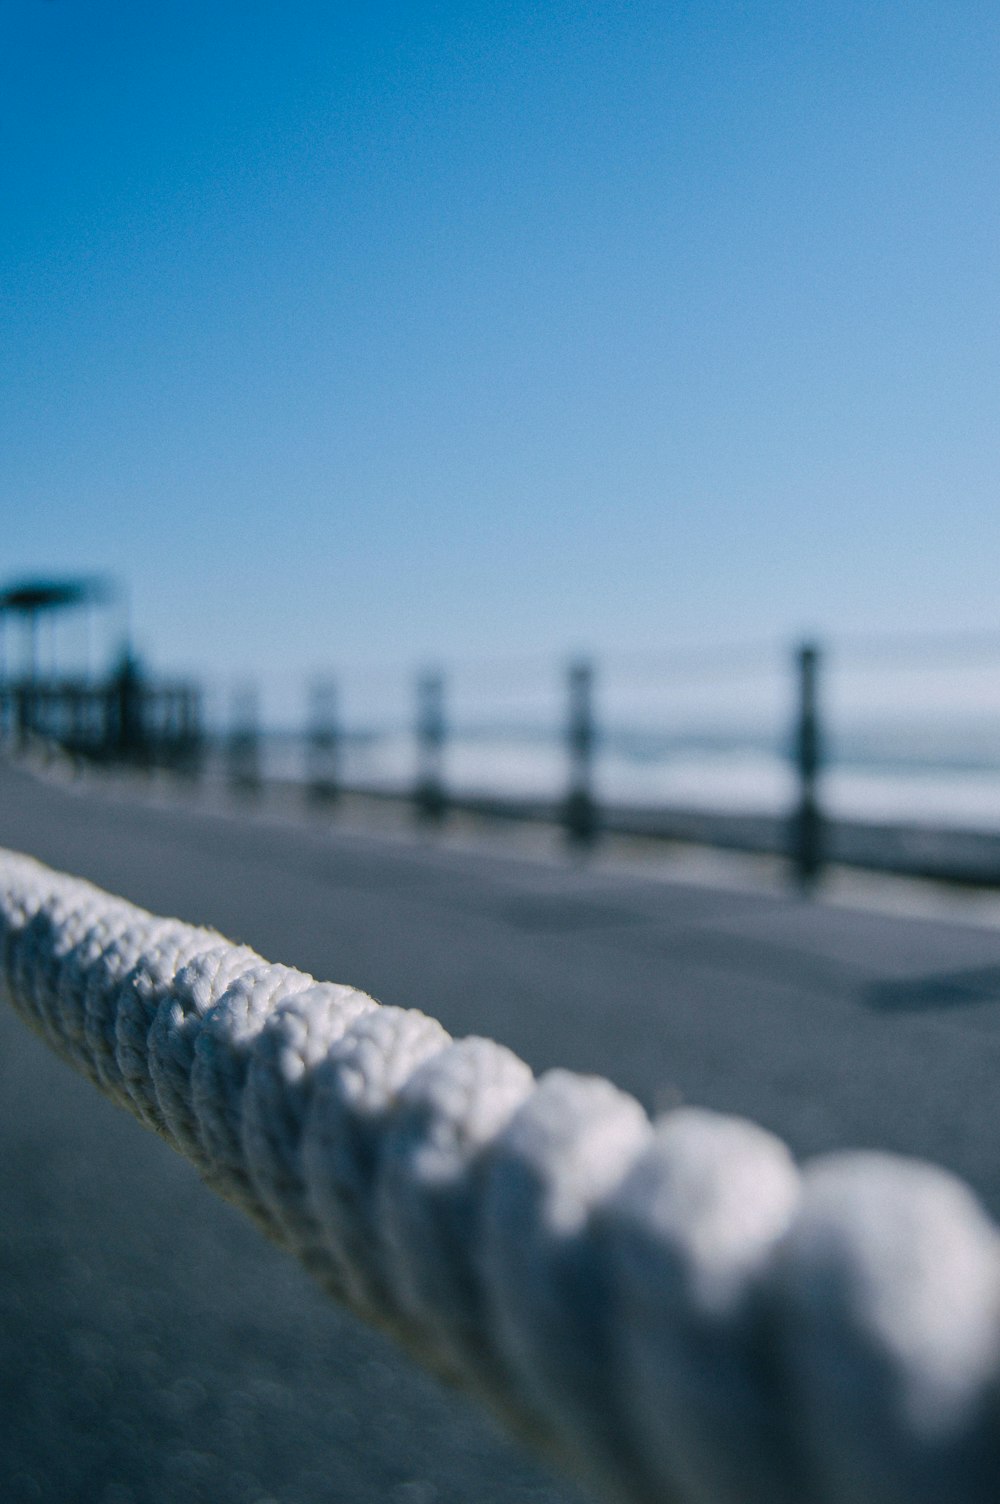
(153, 1350)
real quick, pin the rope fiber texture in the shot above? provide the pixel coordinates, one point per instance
(672, 1309)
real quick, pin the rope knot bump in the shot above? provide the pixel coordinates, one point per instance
(672, 1309)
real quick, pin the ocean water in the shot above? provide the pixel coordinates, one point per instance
(894, 784)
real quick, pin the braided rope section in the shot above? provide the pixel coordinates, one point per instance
(671, 1309)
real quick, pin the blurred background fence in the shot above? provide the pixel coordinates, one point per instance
(879, 753)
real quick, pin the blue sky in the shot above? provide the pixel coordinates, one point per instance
(364, 333)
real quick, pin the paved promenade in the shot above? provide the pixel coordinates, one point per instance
(154, 1350)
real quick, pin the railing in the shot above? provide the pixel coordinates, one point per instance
(816, 717)
(126, 721)
(809, 715)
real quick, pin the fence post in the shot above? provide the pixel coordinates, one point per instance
(807, 821)
(429, 795)
(125, 737)
(76, 738)
(243, 744)
(24, 713)
(191, 740)
(322, 744)
(580, 809)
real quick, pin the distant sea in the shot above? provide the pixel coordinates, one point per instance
(872, 780)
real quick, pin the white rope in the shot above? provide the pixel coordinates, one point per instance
(671, 1309)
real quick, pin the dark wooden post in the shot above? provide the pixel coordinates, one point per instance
(97, 721)
(322, 744)
(807, 821)
(77, 737)
(129, 696)
(580, 810)
(24, 715)
(190, 751)
(31, 644)
(243, 746)
(6, 686)
(42, 717)
(172, 728)
(429, 795)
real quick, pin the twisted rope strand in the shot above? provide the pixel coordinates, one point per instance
(672, 1309)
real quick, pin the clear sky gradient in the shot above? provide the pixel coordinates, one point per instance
(381, 332)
